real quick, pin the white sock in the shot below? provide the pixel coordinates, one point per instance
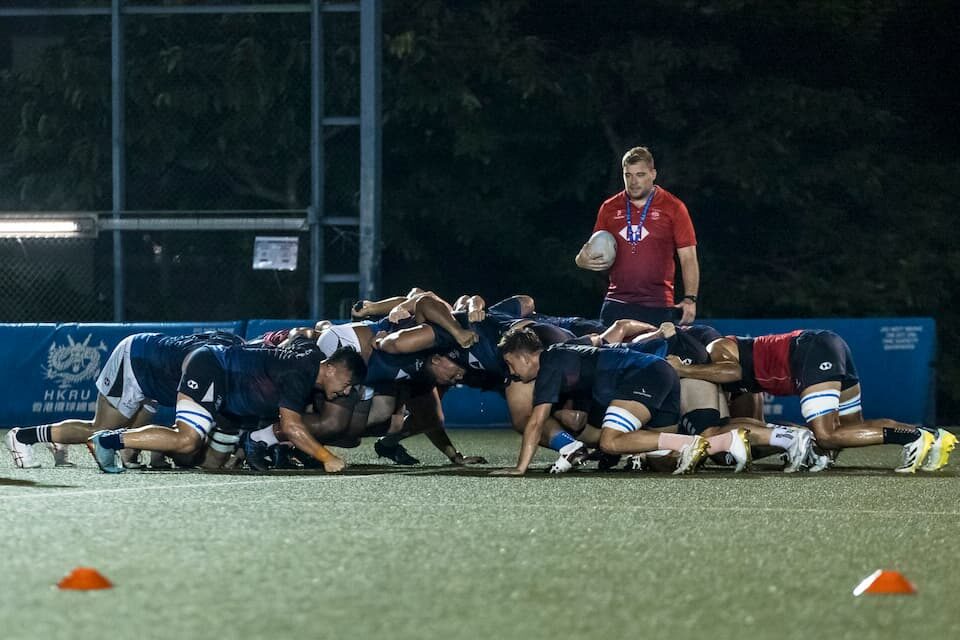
(265, 435)
(570, 448)
(782, 437)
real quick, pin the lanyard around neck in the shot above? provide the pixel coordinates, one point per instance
(633, 237)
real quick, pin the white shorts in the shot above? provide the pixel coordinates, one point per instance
(339, 335)
(119, 386)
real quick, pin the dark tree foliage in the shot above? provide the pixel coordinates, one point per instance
(814, 142)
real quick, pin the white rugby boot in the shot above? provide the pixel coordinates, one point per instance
(916, 452)
(799, 449)
(22, 453)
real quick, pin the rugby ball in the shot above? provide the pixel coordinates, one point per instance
(602, 245)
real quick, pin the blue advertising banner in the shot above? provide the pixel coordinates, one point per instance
(51, 369)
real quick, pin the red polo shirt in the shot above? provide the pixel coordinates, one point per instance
(646, 276)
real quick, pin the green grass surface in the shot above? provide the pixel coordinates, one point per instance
(437, 552)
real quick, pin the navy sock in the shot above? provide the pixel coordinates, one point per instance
(33, 435)
(899, 436)
(112, 440)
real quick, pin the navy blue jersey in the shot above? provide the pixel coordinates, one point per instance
(260, 382)
(483, 359)
(384, 369)
(574, 324)
(157, 360)
(384, 324)
(566, 369)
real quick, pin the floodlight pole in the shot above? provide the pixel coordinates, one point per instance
(370, 148)
(117, 85)
(315, 213)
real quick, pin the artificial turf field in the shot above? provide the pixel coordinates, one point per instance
(440, 552)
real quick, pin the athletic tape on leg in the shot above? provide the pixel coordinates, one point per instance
(819, 403)
(224, 442)
(620, 420)
(194, 415)
(850, 406)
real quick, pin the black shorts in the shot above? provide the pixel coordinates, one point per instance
(612, 311)
(655, 386)
(204, 380)
(821, 356)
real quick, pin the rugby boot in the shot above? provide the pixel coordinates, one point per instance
(916, 452)
(395, 451)
(799, 449)
(571, 455)
(105, 458)
(740, 450)
(635, 463)
(939, 455)
(257, 453)
(22, 453)
(691, 455)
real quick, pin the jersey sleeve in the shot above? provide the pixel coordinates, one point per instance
(601, 222)
(683, 233)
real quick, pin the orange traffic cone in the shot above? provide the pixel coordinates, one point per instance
(887, 582)
(84, 579)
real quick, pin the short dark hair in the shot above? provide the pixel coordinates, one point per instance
(638, 154)
(523, 339)
(353, 361)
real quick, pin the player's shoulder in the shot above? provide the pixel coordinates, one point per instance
(669, 200)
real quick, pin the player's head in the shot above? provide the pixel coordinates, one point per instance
(444, 370)
(639, 172)
(340, 371)
(521, 351)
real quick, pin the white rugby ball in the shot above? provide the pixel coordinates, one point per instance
(603, 245)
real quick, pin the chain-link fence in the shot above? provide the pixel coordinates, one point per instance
(217, 112)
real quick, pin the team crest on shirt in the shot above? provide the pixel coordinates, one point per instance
(643, 232)
(654, 214)
(620, 213)
(826, 366)
(73, 362)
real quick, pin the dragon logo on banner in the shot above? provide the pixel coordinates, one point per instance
(73, 362)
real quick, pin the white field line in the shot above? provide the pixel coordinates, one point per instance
(457, 505)
(163, 487)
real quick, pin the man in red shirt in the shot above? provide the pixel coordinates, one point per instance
(650, 225)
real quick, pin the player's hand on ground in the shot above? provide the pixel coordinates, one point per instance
(336, 465)
(460, 459)
(512, 471)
